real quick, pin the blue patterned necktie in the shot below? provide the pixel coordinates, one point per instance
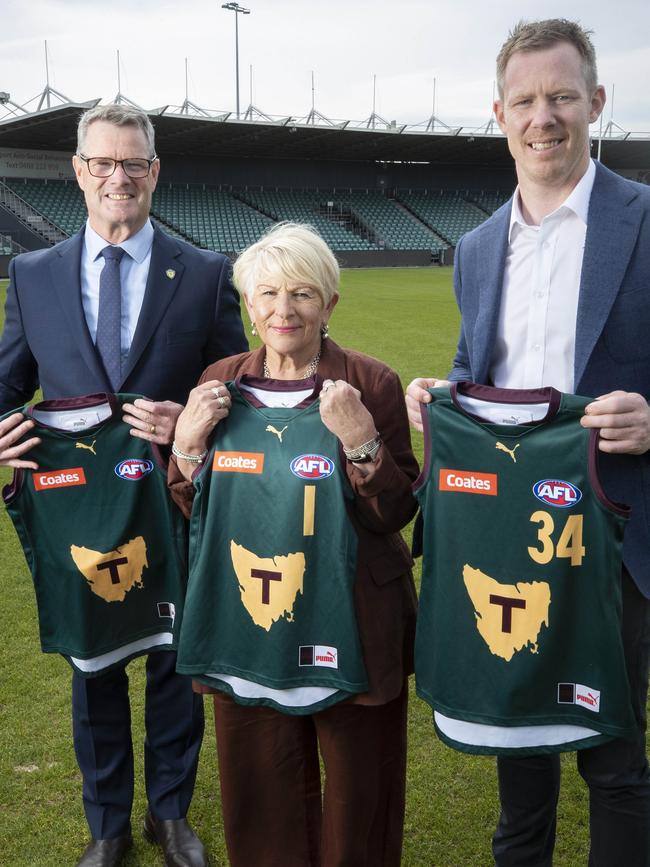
(109, 325)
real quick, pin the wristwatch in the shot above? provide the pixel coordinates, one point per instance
(364, 453)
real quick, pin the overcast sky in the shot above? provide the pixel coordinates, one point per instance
(405, 44)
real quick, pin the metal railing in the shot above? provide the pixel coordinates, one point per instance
(30, 217)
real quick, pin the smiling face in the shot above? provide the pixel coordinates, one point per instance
(117, 206)
(545, 112)
(288, 316)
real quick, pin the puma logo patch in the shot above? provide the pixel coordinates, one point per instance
(91, 447)
(511, 452)
(278, 433)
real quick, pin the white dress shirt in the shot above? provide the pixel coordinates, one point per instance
(134, 270)
(535, 339)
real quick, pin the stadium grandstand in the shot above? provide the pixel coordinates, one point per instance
(379, 193)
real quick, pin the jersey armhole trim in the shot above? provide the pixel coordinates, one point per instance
(11, 490)
(426, 464)
(594, 477)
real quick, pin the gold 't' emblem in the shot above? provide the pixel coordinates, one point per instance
(112, 574)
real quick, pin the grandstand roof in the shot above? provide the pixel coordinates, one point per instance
(287, 138)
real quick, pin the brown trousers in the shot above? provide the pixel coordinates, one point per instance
(273, 812)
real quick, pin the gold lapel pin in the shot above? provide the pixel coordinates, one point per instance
(170, 273)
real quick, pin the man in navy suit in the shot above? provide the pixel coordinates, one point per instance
(554, 289)
(176, 313)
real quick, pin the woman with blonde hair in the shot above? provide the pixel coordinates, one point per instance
(300, 611)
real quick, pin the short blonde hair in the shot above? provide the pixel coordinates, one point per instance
(294, 250)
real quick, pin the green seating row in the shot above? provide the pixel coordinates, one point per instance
(231, 220)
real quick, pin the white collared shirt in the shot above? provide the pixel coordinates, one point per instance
(535, 339)
(134, 270)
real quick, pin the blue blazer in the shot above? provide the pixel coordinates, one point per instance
(190, 317)
(612, 348)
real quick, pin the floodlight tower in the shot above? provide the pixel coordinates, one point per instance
(237, 9)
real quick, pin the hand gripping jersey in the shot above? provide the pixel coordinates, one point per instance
(518, 645)
(269, 616)
(102, 538)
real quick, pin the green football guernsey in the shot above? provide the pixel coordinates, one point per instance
(518, 645)
(269, 615)
(102, 538)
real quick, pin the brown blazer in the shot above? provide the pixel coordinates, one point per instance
(385, 596)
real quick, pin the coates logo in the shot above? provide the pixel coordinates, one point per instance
(312, 467)
(238, 462)
(588, 697)
(555, 492)
(133, 469)
(59, 479)
(460, 481)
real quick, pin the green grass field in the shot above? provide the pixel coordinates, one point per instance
(408, 318)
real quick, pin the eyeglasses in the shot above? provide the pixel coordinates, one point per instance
(104, 167)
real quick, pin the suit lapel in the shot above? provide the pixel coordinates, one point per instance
(488, 271)
(612, 229)
(65, 271)
(165, 275)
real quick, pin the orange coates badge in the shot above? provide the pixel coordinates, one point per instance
(468, 482)
(238, 462)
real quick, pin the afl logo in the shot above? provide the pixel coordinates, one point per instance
(133, 469)
(312, 467)
(555, 492)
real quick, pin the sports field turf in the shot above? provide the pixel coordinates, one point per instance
(408, 318)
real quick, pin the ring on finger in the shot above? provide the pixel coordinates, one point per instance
(152, 428)
(222, 401)
(216, 391)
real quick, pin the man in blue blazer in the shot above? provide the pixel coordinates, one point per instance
(149, 326)
(554, 289)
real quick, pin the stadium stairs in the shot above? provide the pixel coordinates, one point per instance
(447, 213)
(29, 216)
(9, 247)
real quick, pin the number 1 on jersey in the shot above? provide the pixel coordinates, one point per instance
(309, 510)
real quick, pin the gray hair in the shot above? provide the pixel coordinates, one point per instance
(538, 35)
(120, 115)
(297, 252)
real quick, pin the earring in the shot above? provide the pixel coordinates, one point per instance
(253, 329)
(324, 331)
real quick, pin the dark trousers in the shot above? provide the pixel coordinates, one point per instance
(101, 724)
(273, 813)
(616, 772)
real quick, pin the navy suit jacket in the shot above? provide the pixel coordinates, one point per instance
(190, 317)
(612, 348)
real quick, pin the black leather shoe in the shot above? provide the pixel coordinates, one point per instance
(106, 853)
(181, 847)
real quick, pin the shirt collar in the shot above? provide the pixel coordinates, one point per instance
(577, 201)
(138, 246)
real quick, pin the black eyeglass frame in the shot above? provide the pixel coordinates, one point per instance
(117, 163)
